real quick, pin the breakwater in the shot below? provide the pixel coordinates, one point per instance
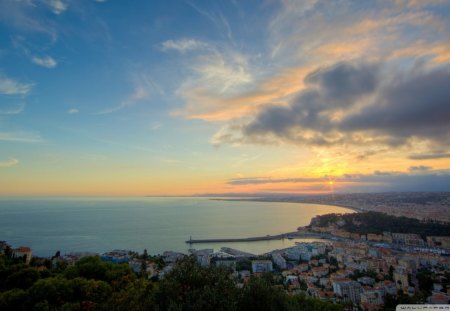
(289, 235)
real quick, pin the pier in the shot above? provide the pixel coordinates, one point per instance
(289, 235)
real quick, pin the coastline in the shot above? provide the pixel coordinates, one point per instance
(418, 205)
(270, 200)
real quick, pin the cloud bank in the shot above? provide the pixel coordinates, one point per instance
(357, 103)
(419, 178)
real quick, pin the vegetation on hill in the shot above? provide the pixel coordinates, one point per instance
(375, 222)
(92, 284)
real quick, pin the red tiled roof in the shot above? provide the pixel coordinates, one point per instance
(23, 249)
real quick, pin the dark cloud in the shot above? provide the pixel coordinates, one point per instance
(415, 106)
(427, 181)
(419, 178)
(429, 156)
(266, 180)
(344, 83)
(384, 173)
(328, 90)
(302, 188)
(375, 108)
(368, 153)
(420, 168)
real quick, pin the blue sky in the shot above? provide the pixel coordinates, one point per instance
(185, 97)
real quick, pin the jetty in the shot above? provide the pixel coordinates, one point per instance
(236, 252)
(288, 235)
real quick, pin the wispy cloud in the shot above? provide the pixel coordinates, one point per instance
(156, 126)
(9, 163)
(10, 86)
(73, 111)
(57, 6)
(46, 61)
(144, 87)
(217, 18)
(183, 45)
(22, 137)
(438, 52)
(19, 42)
(222, 73)
(14, 93)
(216, 78)
(419, 3)
(26, 16)
(13, 109)
(138, 94)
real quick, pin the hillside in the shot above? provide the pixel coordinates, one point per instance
(377, 223)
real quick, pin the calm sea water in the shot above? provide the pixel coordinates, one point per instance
(155, 224)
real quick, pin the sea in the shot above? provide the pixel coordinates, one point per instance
(156, 224)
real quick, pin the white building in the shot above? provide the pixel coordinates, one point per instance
(23, 251)
(305, 251)
(348, 291)
(262, 266)
(372, 297)
(401, 278)
(203, 256)
(171, 257)
(279, 260)
(365, 280)
(136, 265)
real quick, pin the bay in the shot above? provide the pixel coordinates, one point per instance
(156, 224)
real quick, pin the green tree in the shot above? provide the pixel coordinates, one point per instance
(23, 278)
(138, 295)
(145, 255)
(260, 294)
(301, 302)
(117, 275)
(425, 280)
(191, 287)
(55, 290)
(13, 299)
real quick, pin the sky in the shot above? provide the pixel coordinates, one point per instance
(194, 97)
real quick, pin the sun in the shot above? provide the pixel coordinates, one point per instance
(331, 184)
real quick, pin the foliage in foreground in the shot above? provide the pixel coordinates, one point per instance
(92, 284)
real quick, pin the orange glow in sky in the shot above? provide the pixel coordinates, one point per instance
(248, 97)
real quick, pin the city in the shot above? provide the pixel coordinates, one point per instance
(358, 271)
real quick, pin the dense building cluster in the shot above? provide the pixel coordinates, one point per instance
(347, 272)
